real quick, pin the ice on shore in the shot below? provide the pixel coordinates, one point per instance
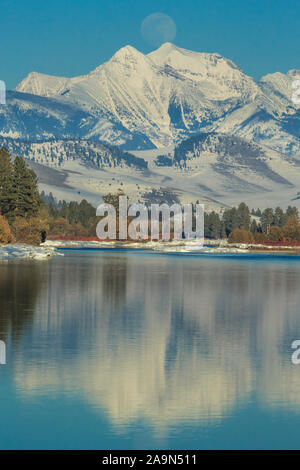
(179, 246)
(20, 251)
(186, 246)
(78, 244)
(197, 249)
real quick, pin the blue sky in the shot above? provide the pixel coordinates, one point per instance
(71, 37)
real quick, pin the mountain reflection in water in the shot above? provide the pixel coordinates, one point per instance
(163, 339)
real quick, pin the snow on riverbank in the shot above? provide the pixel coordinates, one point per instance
(8, 252)
(193, 247)
(78, 244)
(50, 247)
(179, 246)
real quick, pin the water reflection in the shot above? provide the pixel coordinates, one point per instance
(166, 339)
(19, 289)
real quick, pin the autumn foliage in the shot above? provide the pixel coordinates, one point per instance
(240, 236)
(5, 233)
(27, 230)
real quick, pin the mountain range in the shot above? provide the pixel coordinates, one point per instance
(148, 105)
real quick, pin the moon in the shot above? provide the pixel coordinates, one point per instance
(158, 28)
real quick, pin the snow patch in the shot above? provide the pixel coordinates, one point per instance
(22, 251)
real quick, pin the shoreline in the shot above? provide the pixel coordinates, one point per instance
(217, 246)
(53, 248)
(27, 252)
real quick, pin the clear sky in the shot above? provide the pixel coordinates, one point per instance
(71, 37)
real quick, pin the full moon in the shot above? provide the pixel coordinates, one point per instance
(158, 28)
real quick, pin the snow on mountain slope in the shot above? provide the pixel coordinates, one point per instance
(27, 116)
(59, 153)
(220, 78)
(231, 169)
(280, 84)
(230, 156)
(122, 90)
(247, 132)
(43, 85)
(33, 117)
(215, 169)
(257, 125)
(172, 93)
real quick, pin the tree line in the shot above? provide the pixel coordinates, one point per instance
(27, 216)
(238, 224)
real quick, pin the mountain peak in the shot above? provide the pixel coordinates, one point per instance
(126, 51)
(167, 46)
(167, 49)
(203, 64)
(42, 84)
(170, 54)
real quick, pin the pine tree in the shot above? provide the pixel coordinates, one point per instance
(253, 227)
(279, 217)
(7, 196)
(212, 225)
(64, 210)
(292, 211)
(25, 187)
(230, 220)
(73, 212)
(243, 216)
(86, 212)
(267, 219)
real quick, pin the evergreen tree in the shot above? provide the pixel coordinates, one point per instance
(230, 220)
(243, 216)
(279, 217)
(253, 227)
(86, 212)
(25, 188)
(267, 219)
(64, 211)
(212, 225)
(292, 211)
(48, 199)
(7, 196)
(73, 212)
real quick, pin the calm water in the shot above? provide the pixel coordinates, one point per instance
(122, 350)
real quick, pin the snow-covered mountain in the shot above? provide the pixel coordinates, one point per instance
(32, 117)
(60, 153)
(143, 101)
(235, 159)
(234, 138)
